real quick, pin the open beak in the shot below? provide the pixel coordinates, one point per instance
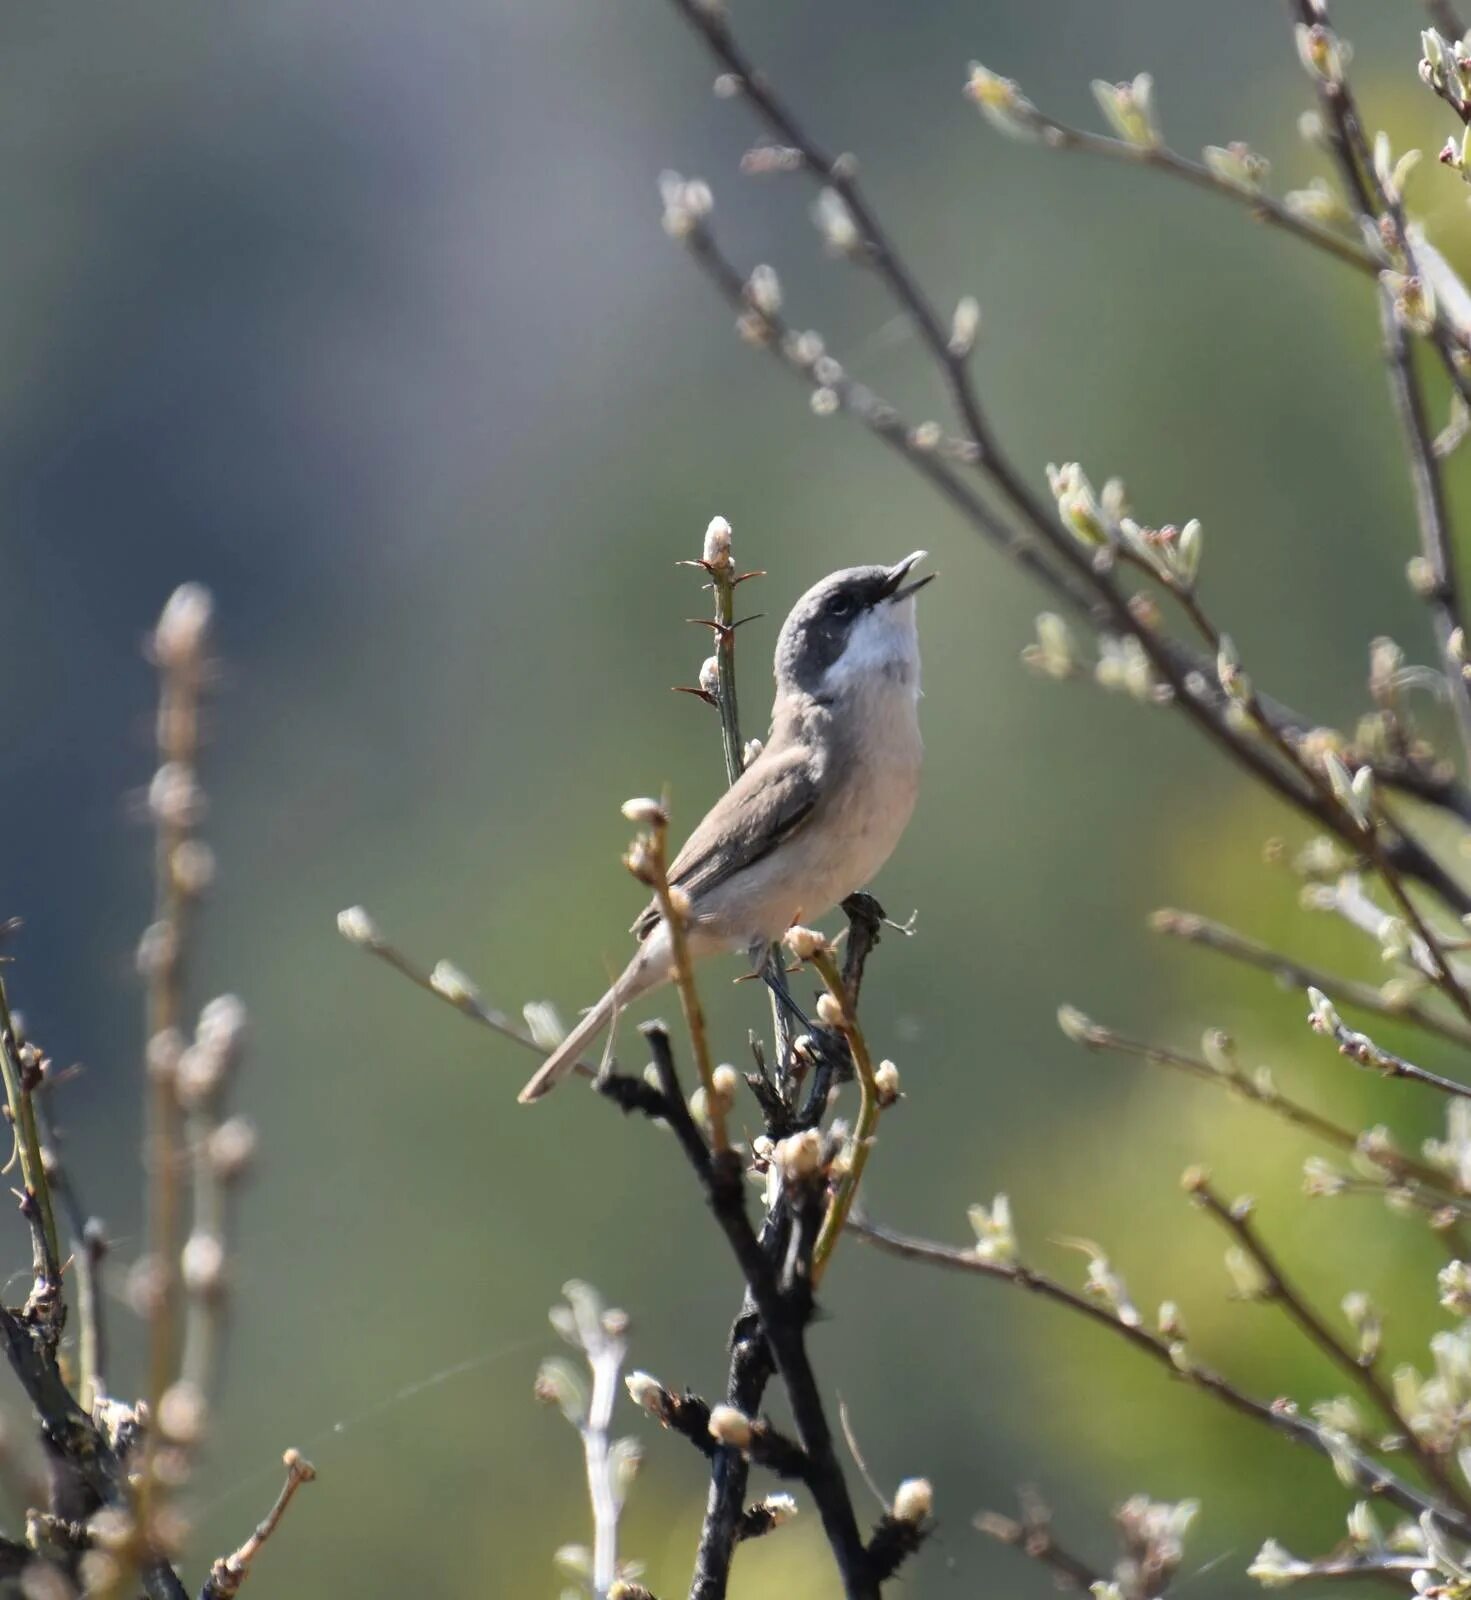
(897, 588)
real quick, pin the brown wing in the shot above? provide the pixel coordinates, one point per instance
(770, 801)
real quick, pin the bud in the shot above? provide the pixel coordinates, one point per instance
(779, 1508)
(886, 1082)
(730, 1427)
(914, 1500)
(203, 1263)
(1002, 103)
(710, 676)
(644, 812)
(1129, 108)
(182, 1413)
(804, 943)
(798, 1157)
(451, 984)
(1238, 166)
(763, 291)
(231, 1148)
(725, 1081)
(357, 927)
(964, 326)
(830, 1011)
(835, 223)
(716, 553)
(645, 1391)
(183, 626)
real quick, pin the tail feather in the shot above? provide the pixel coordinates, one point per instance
(563, 1060)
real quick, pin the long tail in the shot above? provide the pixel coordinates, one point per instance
(563, 1060)
(648, 969)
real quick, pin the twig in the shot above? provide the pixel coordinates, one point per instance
(1380, 208)
(1060, 136)
(1359, 1047)
(445, 983)
(179, 651)
(230, 1572)
(1260, 1090)
(1236, 1220)
(22, 1075)
(1369, 1475)
(1288, 970)
(869, 1107)
(650, 866)
(1033, 1537)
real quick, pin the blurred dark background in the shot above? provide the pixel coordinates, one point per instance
(362, 315)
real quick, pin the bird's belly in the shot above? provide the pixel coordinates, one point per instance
(839, 851)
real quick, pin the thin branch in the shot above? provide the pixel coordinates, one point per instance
(1033, 1536)
(650, 866)
(869, 1107)
(228, 1573)
(1380, 208)
(1369, 1476)
(1288, 970)
(1361, 1048)
(1060, 136)
(1437, 541)
(21, 1069)
(1236, 1220)
(179, 650)
(1259, 1089)
(445, 983)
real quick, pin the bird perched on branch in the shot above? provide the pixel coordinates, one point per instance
(817, 812)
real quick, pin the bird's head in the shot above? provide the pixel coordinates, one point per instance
(854, 628)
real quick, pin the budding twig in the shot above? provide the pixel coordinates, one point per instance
(21, 1078)
(1236, 1220)
(1323, 1018)
(869, 1106)
(179, 651)
(1196, 929)
(228, 1573)
(1368, 1475)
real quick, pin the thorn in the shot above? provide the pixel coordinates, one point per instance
(699, 694)
(741, 577)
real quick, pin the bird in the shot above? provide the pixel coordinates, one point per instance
(817, 812)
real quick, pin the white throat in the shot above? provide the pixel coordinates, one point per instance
(882, 652)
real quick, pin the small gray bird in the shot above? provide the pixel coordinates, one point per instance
(819, 810)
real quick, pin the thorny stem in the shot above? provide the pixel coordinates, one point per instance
(1196, 929)
(724, 580)
(36, 1204)
(1235, 1219)
(1060, 136)
(865, 1128)
(228, 1573)
(1370, 1476)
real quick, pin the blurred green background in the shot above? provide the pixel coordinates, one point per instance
(362, 315)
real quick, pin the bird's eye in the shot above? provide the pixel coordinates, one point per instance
(840, 605)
